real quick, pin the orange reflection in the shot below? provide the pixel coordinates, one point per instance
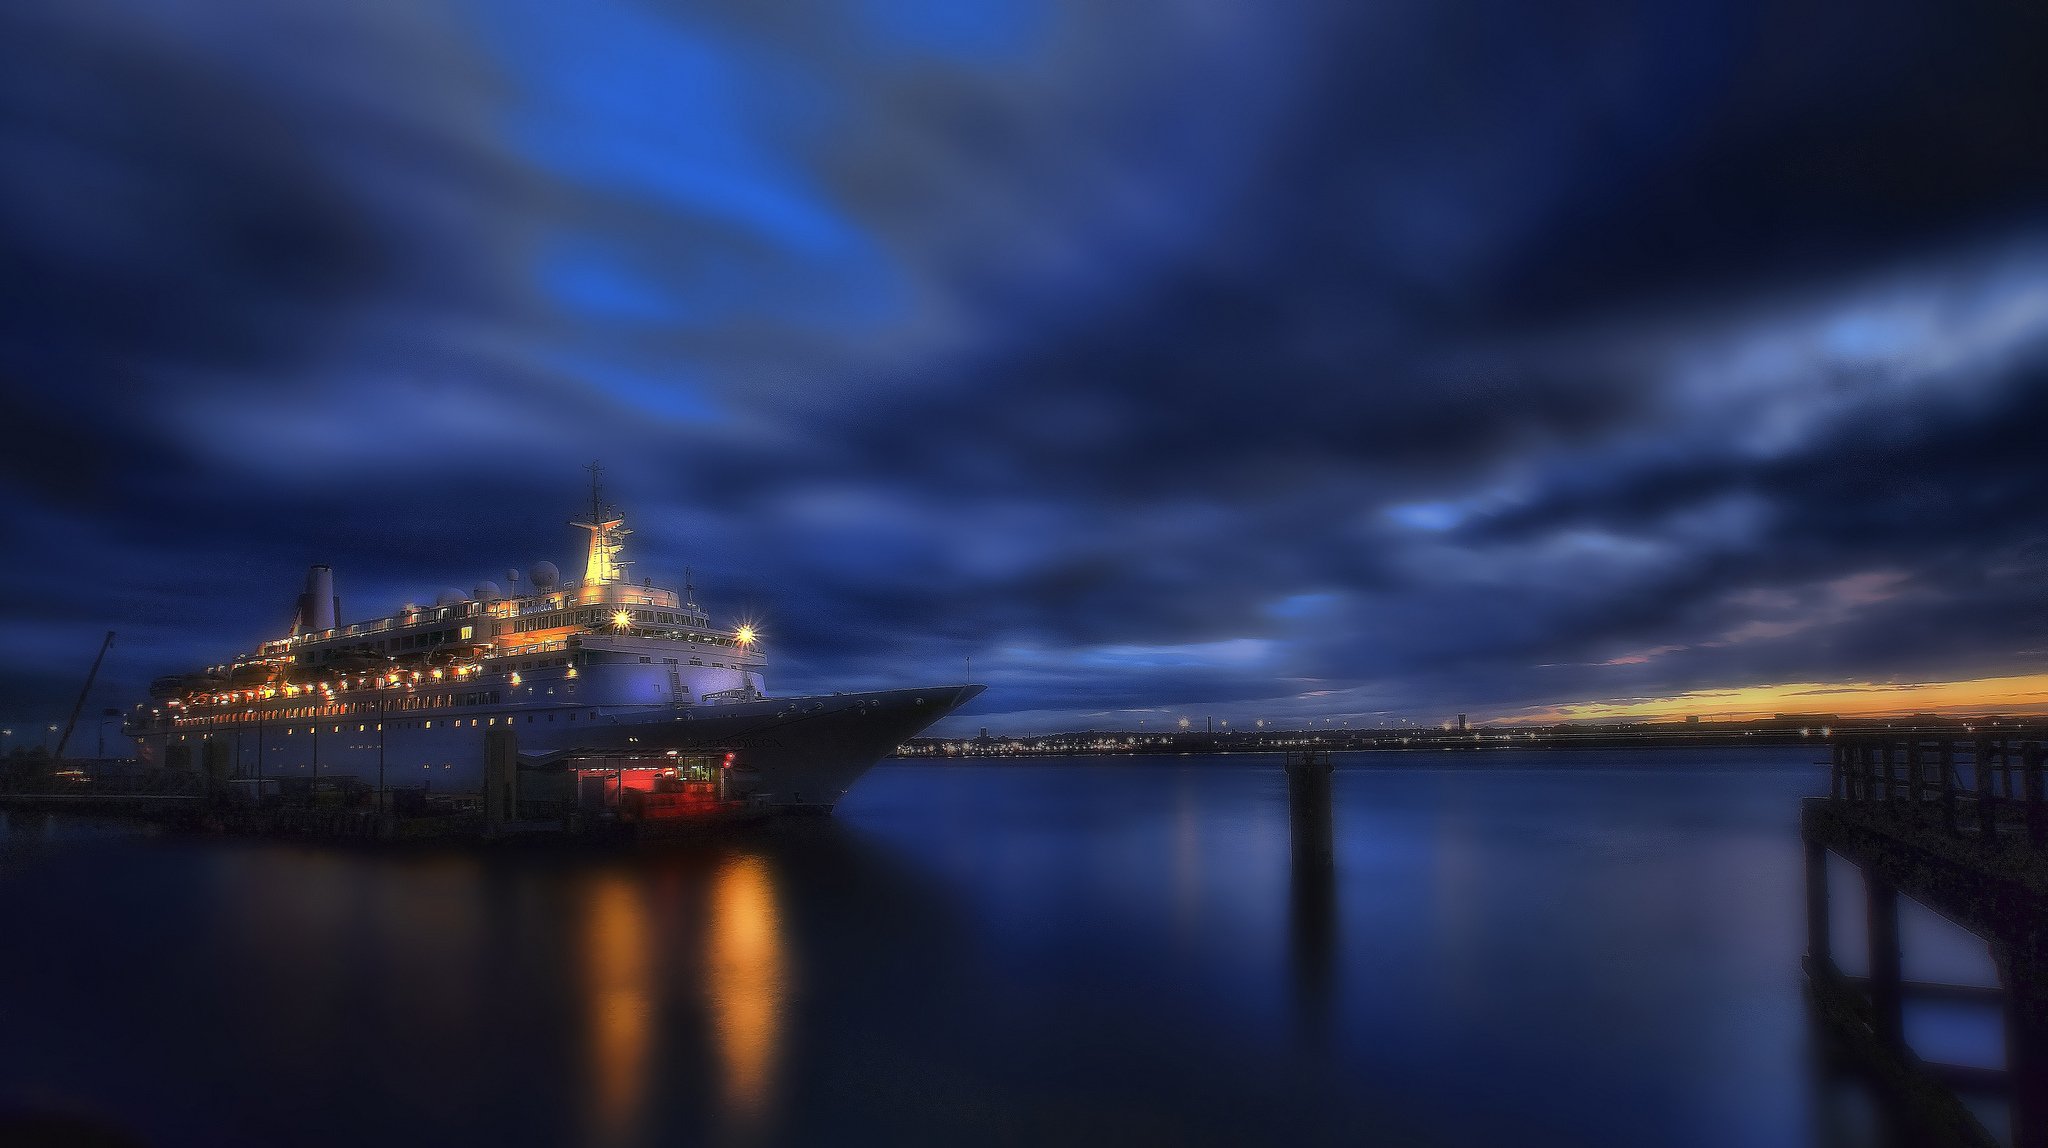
(621, 1007)
(747, 973)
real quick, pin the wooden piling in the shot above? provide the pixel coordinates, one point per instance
(1886, 1004)
(1949, 783)
(2024, 974)
(2031, 757)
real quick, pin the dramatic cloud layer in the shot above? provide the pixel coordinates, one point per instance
(1269, 359)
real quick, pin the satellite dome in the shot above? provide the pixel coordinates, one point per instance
(544, 575)
(487, 591)
(451, 597)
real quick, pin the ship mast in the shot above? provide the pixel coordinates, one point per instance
(606, 528)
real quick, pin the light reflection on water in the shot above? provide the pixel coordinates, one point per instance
(648, 939)
(745, 978)
(621, 1005)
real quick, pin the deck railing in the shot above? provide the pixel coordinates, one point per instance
(1989, 787)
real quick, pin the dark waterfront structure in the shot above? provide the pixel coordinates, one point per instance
(1308, 809)
(1959, 824)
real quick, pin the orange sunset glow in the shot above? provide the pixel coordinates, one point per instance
(2017, 694)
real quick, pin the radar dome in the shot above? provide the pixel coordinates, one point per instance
(450, 597)
(544, 576)
(488, 591)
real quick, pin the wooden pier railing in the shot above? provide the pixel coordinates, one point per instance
(1960, 824)
(1982, 785)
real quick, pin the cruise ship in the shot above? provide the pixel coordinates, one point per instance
(606, 669)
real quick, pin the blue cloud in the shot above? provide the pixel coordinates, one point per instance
(1305, 358)
(989, 32)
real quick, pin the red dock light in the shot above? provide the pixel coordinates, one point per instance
(728, 761)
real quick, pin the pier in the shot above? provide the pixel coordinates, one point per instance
(1958, 823)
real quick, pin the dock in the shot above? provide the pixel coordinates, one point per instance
(559, 798)
(1959, 823)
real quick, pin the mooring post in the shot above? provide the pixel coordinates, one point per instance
(1882, 921)
(1308, 809)
(1819, 955)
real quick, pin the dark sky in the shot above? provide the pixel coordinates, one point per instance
(1266, 359)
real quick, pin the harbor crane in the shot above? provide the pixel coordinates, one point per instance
(80, 703)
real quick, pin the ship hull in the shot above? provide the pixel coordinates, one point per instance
(790, 751)
(794, 752)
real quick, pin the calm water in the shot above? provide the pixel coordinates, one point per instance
(1542, 948)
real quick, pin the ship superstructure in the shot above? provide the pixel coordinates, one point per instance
(601, 666)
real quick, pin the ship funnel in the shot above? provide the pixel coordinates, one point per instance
(318, 605)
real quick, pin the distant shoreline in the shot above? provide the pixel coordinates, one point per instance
(1403, 751)
(1818, 732)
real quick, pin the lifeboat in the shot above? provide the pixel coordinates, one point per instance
(250, 674)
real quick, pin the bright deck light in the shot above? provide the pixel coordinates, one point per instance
(622, 619)
(745, 636)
